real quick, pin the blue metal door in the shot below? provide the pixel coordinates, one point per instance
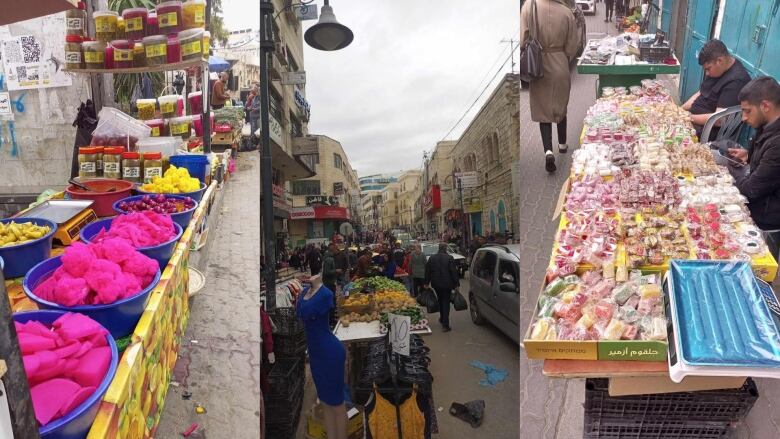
(666, 15)
(701, 14)
(745, 33)
(476, 224)
(770, 62)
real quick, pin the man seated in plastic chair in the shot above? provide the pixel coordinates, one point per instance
(724, 78)
(759, 181)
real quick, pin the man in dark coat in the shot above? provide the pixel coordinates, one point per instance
(314, 257)
(760, 180)
(442, 274)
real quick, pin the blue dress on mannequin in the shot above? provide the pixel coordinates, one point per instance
(326, 353)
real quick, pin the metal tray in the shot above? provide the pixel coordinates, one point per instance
(58, 211)
(720, 315)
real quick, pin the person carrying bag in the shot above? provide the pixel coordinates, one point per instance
(531, 52)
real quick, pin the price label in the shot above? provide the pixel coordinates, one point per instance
(73, 57)
(87, 167)
(131, 172)
(156, 132)
(133, 24)
(191, 48)
(156, 50)
(167, 20)
(180, 128)
(74, 24)
(200, 17)
(123, 55)
(94, 57)
(400, 331)
(111, 167)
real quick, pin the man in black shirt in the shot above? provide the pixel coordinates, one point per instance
(724, 77)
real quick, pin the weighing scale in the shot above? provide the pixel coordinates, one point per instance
(70, 216)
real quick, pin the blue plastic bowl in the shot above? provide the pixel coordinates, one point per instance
(195, 164)
(182, 218)
(120, 317)
(77, 423)
(19, 259)
(197, 195)
(161, 253)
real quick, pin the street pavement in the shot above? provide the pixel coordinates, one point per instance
(219, 360)
(455, 381)
(552, 408)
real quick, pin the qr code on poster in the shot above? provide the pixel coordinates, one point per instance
(13, 53)
(31, 49)
(21, 73)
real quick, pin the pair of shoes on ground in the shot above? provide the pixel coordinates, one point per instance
(549, 158)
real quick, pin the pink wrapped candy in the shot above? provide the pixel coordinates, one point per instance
(140, 229)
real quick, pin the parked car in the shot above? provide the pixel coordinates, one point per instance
(431, 248)
(494, 294)
(587, 6)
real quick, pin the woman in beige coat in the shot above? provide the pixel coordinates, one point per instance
(559, 37)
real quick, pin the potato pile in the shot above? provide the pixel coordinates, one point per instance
(14, 233)
(389, 301)
(357, 300)
(355, 317)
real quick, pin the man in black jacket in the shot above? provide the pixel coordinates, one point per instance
(760, 180)
(442, 274)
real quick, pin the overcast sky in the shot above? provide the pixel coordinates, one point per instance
(413, 69)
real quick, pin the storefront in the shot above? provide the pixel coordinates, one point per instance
(473, 209)
(316, 223)
(431, 206)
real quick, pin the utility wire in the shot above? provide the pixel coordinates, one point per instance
(480, 94)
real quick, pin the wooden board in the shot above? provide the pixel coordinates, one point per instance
(161, 68)
(603, 369)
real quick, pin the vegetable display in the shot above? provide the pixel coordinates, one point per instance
(157, 203)
(377, 283)
(14, 233)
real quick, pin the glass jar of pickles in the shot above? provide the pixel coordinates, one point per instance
(153, 166)
(98, 160)
(94, 54)
(106, 23)
(112, 162)
(131, 167)
(169, 19)
(74, 58)
(194, 14)
(87, 162)
(156, 50)
(135, 23)
(123, 54)
(180, 126)
(146, 108)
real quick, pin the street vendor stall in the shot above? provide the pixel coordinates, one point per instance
(626, 60)
(656, 279)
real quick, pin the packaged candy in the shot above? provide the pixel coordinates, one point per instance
(542, 326)
(629, 314)
(568, 296)
(633, 301)
(646, 305)
(623, 292)
(649, 291)
(546, 305)
(586, 321)
(656, 329)
(630, 332)
(591, 277)
(555, 287)
(614, 330)
(604, 310)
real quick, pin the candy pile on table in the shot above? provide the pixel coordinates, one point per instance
(592, 195)
(99, 273)
(591, 307)
(718, 189)
(637, 189)
(586, 239)
(140, 229)
(65, 364)
(696, 160)
(716, 237)
(654, 235)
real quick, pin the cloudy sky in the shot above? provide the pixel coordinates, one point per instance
(409, 75)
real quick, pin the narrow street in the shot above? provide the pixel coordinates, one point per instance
(219, 360)
(552, 408)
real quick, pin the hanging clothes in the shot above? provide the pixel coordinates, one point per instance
(383, 419)
(266, 335)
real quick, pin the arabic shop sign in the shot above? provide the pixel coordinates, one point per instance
(301, 102)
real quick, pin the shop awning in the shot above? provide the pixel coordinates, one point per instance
(14, 11)
(292, 167)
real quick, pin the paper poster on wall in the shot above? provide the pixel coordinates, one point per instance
(6, 112)
(29, 64)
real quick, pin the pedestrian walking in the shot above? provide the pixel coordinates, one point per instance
(552, 23)
(609, 9)
(315, 260)
(253, 106)
(442, 274)
(417, 269)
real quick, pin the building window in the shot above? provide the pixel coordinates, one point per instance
(496, 150)
(306, 187)
(296, 128)
(336, 161)
(293, 67)
(275, 106)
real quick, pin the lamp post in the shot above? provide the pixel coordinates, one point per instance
(328, 34)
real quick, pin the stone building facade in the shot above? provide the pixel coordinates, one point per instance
(490, 148)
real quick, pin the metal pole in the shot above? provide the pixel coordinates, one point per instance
(205, 117)
(266, 164)
(462, 217)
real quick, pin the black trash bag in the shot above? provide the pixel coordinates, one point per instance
(85, 123)
(427, 298)
(471, 412)
(458, 301)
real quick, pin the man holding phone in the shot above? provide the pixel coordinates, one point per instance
(760, 180)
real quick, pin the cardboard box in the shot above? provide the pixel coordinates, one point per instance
(222, 138)
(664, 384)
(315, 423)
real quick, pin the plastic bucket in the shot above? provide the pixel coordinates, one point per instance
(77, 423)
(103, 200)
(161, 253)
(181, 218)
(197, 195)
(120, 317)
(19, 259)
(195, 164)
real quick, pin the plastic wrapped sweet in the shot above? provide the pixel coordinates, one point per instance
(592, 159)
(586, 239)
(641, 188)
(592, 194)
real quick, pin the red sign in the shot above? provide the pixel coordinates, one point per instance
(278, 191)
(320, 212)
(432, 200)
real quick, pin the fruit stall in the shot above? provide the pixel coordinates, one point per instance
(97, 275)
(657, 278)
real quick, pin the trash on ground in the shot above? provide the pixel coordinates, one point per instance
(493, 375)
(199, 409)
(471, 412)
(189, 431)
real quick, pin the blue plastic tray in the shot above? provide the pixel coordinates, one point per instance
(721, 315)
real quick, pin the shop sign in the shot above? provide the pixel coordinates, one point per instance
(312, 200)
(338, 188)
(472, 205)
(275, 130)
(306, 145)
(432, 199)
(278, 191)
(293, 78)
(302, 213)
(306, 12)
(331, 212)
(468, 180)
(302, 103)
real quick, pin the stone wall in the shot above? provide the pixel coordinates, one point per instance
(498, 119)
(44, 131)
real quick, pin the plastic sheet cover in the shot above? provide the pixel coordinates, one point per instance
(721, 316)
